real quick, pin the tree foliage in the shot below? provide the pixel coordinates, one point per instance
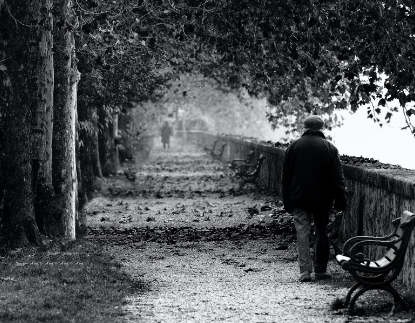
(302, 56)
(119, 54)
(304, 52)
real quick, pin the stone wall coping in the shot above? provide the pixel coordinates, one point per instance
(269, 148)
(397, 180)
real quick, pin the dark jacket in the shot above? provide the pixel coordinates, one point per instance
(312, 174)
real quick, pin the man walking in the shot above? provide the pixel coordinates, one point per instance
(312, 180)
(166, 132)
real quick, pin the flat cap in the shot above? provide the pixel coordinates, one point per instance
(313, 122)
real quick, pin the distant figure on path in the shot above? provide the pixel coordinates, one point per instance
(312, 180)
(166, 132)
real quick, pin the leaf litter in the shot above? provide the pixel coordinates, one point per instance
(209, 252)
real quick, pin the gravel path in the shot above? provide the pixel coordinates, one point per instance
(226, 281)
(181, 227)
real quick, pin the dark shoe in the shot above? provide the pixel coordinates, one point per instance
(322, 276)
(305, 277)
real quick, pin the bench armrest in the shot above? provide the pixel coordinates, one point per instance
(352, 241)
(235, 162)
(243, 168)
(248, 165)
(410, 220)
(212, 146)
(208, 148)
(358, 258)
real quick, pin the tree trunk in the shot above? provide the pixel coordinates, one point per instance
(64, 177)
(86, 137)
(87, 175)
(18, 95)
(82, 198)
(103, 141)
(90, 166)
(95, 160)
(114, 136)
(111, 163)
(96, 163)
(42, 115)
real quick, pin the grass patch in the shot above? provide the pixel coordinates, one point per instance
(79, 283)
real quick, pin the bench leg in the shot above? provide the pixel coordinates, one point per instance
(249, 181)
(245, 181)
(350, 293)
(398, 301)
(218, 158)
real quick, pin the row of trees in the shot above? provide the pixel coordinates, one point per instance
(65, 65)
(62, 86)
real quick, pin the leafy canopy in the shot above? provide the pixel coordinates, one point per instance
(321, 55)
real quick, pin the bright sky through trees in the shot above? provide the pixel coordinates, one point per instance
(360, 136)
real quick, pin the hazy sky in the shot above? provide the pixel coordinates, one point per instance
(362, 137)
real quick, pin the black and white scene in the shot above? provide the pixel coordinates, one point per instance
(203, 161)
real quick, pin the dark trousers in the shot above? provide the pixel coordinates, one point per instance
(166, 144)
(302, 222)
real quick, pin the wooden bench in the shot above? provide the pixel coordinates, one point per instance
(216, 154)
(236, 165)
(372, 274)
(210, 148)
(250, 174)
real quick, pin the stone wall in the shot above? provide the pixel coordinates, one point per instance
(380, 193)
